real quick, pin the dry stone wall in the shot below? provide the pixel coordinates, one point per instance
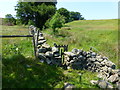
(78, 59)
(46, 53)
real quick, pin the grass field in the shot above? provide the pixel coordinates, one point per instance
(21, 69)
(100, 34)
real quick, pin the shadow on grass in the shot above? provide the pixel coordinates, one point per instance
(21, 72)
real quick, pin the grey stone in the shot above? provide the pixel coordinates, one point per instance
(93, 54)
(54, 49)
(41, 56)
(56, 54)
(94, 82)
(41, 34)
(68, 67)
(75, 51)
(80, 57)
(102, 84)
(42, 50)
(41, 38)
(75, 58)
(45, 45)
(70, 54)
(100, 75)
(72, 61)
(97, 63)
(38, 46)
(48, 61)
(68, 86)
(41, 42)
(42, 61)
(113, 78)
(93, 59)
(80, 51)
(84, 53)
(102, 63)
(99, 59)
(105, 68)
(49, 54)
(105, 58)
(118, 85)
(109, 86)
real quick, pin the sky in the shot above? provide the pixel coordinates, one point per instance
(89, 9)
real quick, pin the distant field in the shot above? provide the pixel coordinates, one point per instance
(21, 69)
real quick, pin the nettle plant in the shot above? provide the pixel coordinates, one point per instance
(15, 49)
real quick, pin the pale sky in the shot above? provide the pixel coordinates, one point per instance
(90, 9)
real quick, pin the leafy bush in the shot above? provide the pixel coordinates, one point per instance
(57, 21)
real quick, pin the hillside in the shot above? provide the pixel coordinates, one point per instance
(21, 69)
(100, 34)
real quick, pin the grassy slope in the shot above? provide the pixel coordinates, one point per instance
(83, 34)
(100, 34)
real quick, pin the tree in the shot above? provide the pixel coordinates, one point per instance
(9, 19)
(65, 13)
(57, 21)
(38, 12)
(74, 16)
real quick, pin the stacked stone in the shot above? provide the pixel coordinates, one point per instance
(79, 59)
(46, 53)
(113, 76)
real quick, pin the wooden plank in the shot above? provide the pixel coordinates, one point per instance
(11, 36)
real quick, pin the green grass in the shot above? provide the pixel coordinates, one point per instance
(20, 69)
(100, 34)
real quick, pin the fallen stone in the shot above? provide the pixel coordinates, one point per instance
(102, 84)
(42, 61)
(118, 85)
(68, 86)
(113, 78)
(68, 67)
(94, 82)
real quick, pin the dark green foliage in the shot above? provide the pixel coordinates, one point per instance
(75, 16)
(38, 12)
(9, 20)
(65, 13)
(21, 72)
(57, 21)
